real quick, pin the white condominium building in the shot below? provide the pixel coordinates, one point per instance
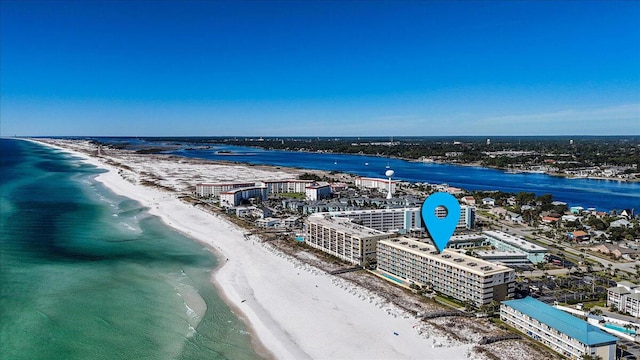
(467, 216)
(342, 238)
(462, 277)
(467, 241)
(401, 219)
(318, 191)
(234, 197)
(509, 258)
(564, 333)
(375, 183)
(286, 186)
(506, 242)
(214, 190)
(625, 297)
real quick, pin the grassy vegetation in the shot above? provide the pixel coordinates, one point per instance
(449, 301)
(297, 196)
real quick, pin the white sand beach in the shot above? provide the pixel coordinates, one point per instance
(296, 311)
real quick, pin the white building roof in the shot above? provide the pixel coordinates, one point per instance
(518, 242)
(448, 256)
(343, 225)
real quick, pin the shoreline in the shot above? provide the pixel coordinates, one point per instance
(293, 310)
(111, 182)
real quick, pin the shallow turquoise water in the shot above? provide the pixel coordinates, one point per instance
(86, 274)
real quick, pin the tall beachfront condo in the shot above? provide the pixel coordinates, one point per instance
(454, 274)
(401, 220)
(342, 238)
(214, 190)
(564, 333)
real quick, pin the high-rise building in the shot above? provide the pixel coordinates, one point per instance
(451, 273)
(396, 220)
(401, 220)
(342, 238)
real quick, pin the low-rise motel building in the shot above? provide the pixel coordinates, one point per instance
(564, 333)
(451, 273)
(342, 238)
(507, 242)
(625, 297)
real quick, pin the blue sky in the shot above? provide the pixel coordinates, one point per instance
(319, 68)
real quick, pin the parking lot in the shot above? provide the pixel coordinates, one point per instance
(564, 289)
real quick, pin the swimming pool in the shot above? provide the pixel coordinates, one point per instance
(300, 238)
(620, 328)
(392, 278)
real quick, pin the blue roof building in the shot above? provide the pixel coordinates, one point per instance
(562, 332)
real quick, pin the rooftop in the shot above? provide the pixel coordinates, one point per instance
(618, 290)
(561, 321)
(497, 254)
(447, 256)
(240, 189)
(518, 242)
(343, 225)
(627, 284)
(287, 181)
(318, 185)
(466, 237)
(226, 184)
(384, 180)
(373, 211)
(634, 296)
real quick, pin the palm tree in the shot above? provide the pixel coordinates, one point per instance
(519, 271)
(629, 327)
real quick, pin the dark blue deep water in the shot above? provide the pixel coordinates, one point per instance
(605, 195)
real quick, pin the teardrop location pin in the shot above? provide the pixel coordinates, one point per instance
(440, 229)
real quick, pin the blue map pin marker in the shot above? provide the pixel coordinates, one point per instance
(441, 229)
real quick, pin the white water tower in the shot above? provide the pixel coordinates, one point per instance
(389, 173)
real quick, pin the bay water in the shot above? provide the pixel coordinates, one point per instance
(604, 195)
(87, 274)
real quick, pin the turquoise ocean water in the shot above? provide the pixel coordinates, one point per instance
(87, 274)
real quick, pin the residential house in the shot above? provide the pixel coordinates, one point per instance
(578, 236)
(620, 223)
(469, 200)
(489, 202)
